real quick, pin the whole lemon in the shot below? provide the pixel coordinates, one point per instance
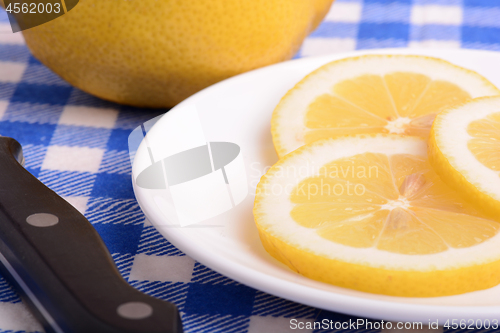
(155, 53)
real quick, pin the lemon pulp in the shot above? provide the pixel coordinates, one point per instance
(396, 103)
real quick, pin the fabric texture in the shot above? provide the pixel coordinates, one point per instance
(77, 145)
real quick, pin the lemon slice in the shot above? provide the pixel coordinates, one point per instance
(464, 149)
(397, 94)
(369, 213)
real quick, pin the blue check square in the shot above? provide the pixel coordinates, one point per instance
(27, 133)
(113, 185)
(235, 300)
(384, 31)
(41, 94)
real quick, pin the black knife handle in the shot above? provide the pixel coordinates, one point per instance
(60, 265)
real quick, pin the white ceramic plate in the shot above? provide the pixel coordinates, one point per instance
(239, 110)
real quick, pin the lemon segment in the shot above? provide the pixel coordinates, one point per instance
(371, 214)
(372, 94)
(464, 149)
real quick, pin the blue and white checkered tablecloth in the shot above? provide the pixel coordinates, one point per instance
(77, 145)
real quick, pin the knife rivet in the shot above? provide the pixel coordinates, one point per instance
(42, 220)
(135, 310)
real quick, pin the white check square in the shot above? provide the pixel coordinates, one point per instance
(260, 324)
(3, 108)
(15, 317)
(88, 116)
(436, 14)
(162, 268)
(344, 12)
(323, 46)
(66, 158)
(8, 37)
(11, 71)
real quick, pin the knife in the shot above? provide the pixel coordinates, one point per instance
(60, 266)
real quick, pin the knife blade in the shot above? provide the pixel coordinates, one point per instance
(59, 264)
